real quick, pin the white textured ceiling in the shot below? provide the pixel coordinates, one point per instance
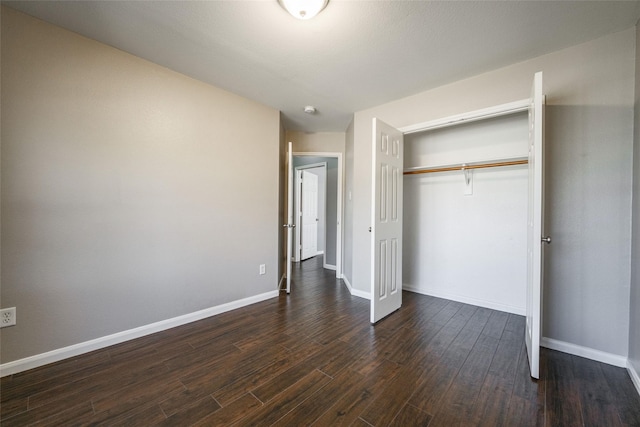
(354, 55)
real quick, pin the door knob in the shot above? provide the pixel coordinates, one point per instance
(546, 240)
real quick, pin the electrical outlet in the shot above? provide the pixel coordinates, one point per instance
(263, 269)
(7, 317)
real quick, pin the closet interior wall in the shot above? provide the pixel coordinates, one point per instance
(468, 247)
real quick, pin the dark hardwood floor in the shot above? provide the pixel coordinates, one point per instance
(312, 358)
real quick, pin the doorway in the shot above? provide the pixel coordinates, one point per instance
(310, 211)
(329, 206)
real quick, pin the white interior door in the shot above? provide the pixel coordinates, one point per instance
(535, 236)
(386, 221)
(309, 211)
(289, 225)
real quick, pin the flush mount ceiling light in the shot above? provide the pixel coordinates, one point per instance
(303, 9)
(310, 109)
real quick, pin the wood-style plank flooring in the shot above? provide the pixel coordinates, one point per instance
(312, 358)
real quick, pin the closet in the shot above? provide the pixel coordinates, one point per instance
(465, 212)
(466, 220)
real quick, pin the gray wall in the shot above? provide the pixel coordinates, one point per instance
(331, 207)
(348, 205)
(589, 138)
(634, 315)
(117, 205)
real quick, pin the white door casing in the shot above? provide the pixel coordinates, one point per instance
(309, 215)
(535, 236)
(386, 220)
(339, 208)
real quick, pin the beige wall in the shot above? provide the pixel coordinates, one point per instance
(589, 91)
(130, 194)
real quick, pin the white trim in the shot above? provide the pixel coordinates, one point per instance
(329, 266)
(589, 353)
(635, 377)
(361, 294)
(467, 300)
(355, 292)
(282, 279)
(31, 362)
(347, 283)
(471, 116)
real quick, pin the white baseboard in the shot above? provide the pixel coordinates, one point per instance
(467, 300)
(361, 294)
(356, 292)
(346, 282)
(329, 267)
(31, 362)
(586, 352)
(635, 377)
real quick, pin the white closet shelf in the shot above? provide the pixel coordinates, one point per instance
(471, 116)
(493, 163)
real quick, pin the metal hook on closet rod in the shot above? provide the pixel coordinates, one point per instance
(467, 174)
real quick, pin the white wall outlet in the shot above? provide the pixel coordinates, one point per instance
(7, 317)
(263, 269)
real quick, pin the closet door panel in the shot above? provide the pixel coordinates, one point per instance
(535, 226)
(386, 221)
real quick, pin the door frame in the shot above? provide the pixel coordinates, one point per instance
(340, 204)
(297, 198)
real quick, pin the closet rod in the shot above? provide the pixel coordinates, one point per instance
(465, 167)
